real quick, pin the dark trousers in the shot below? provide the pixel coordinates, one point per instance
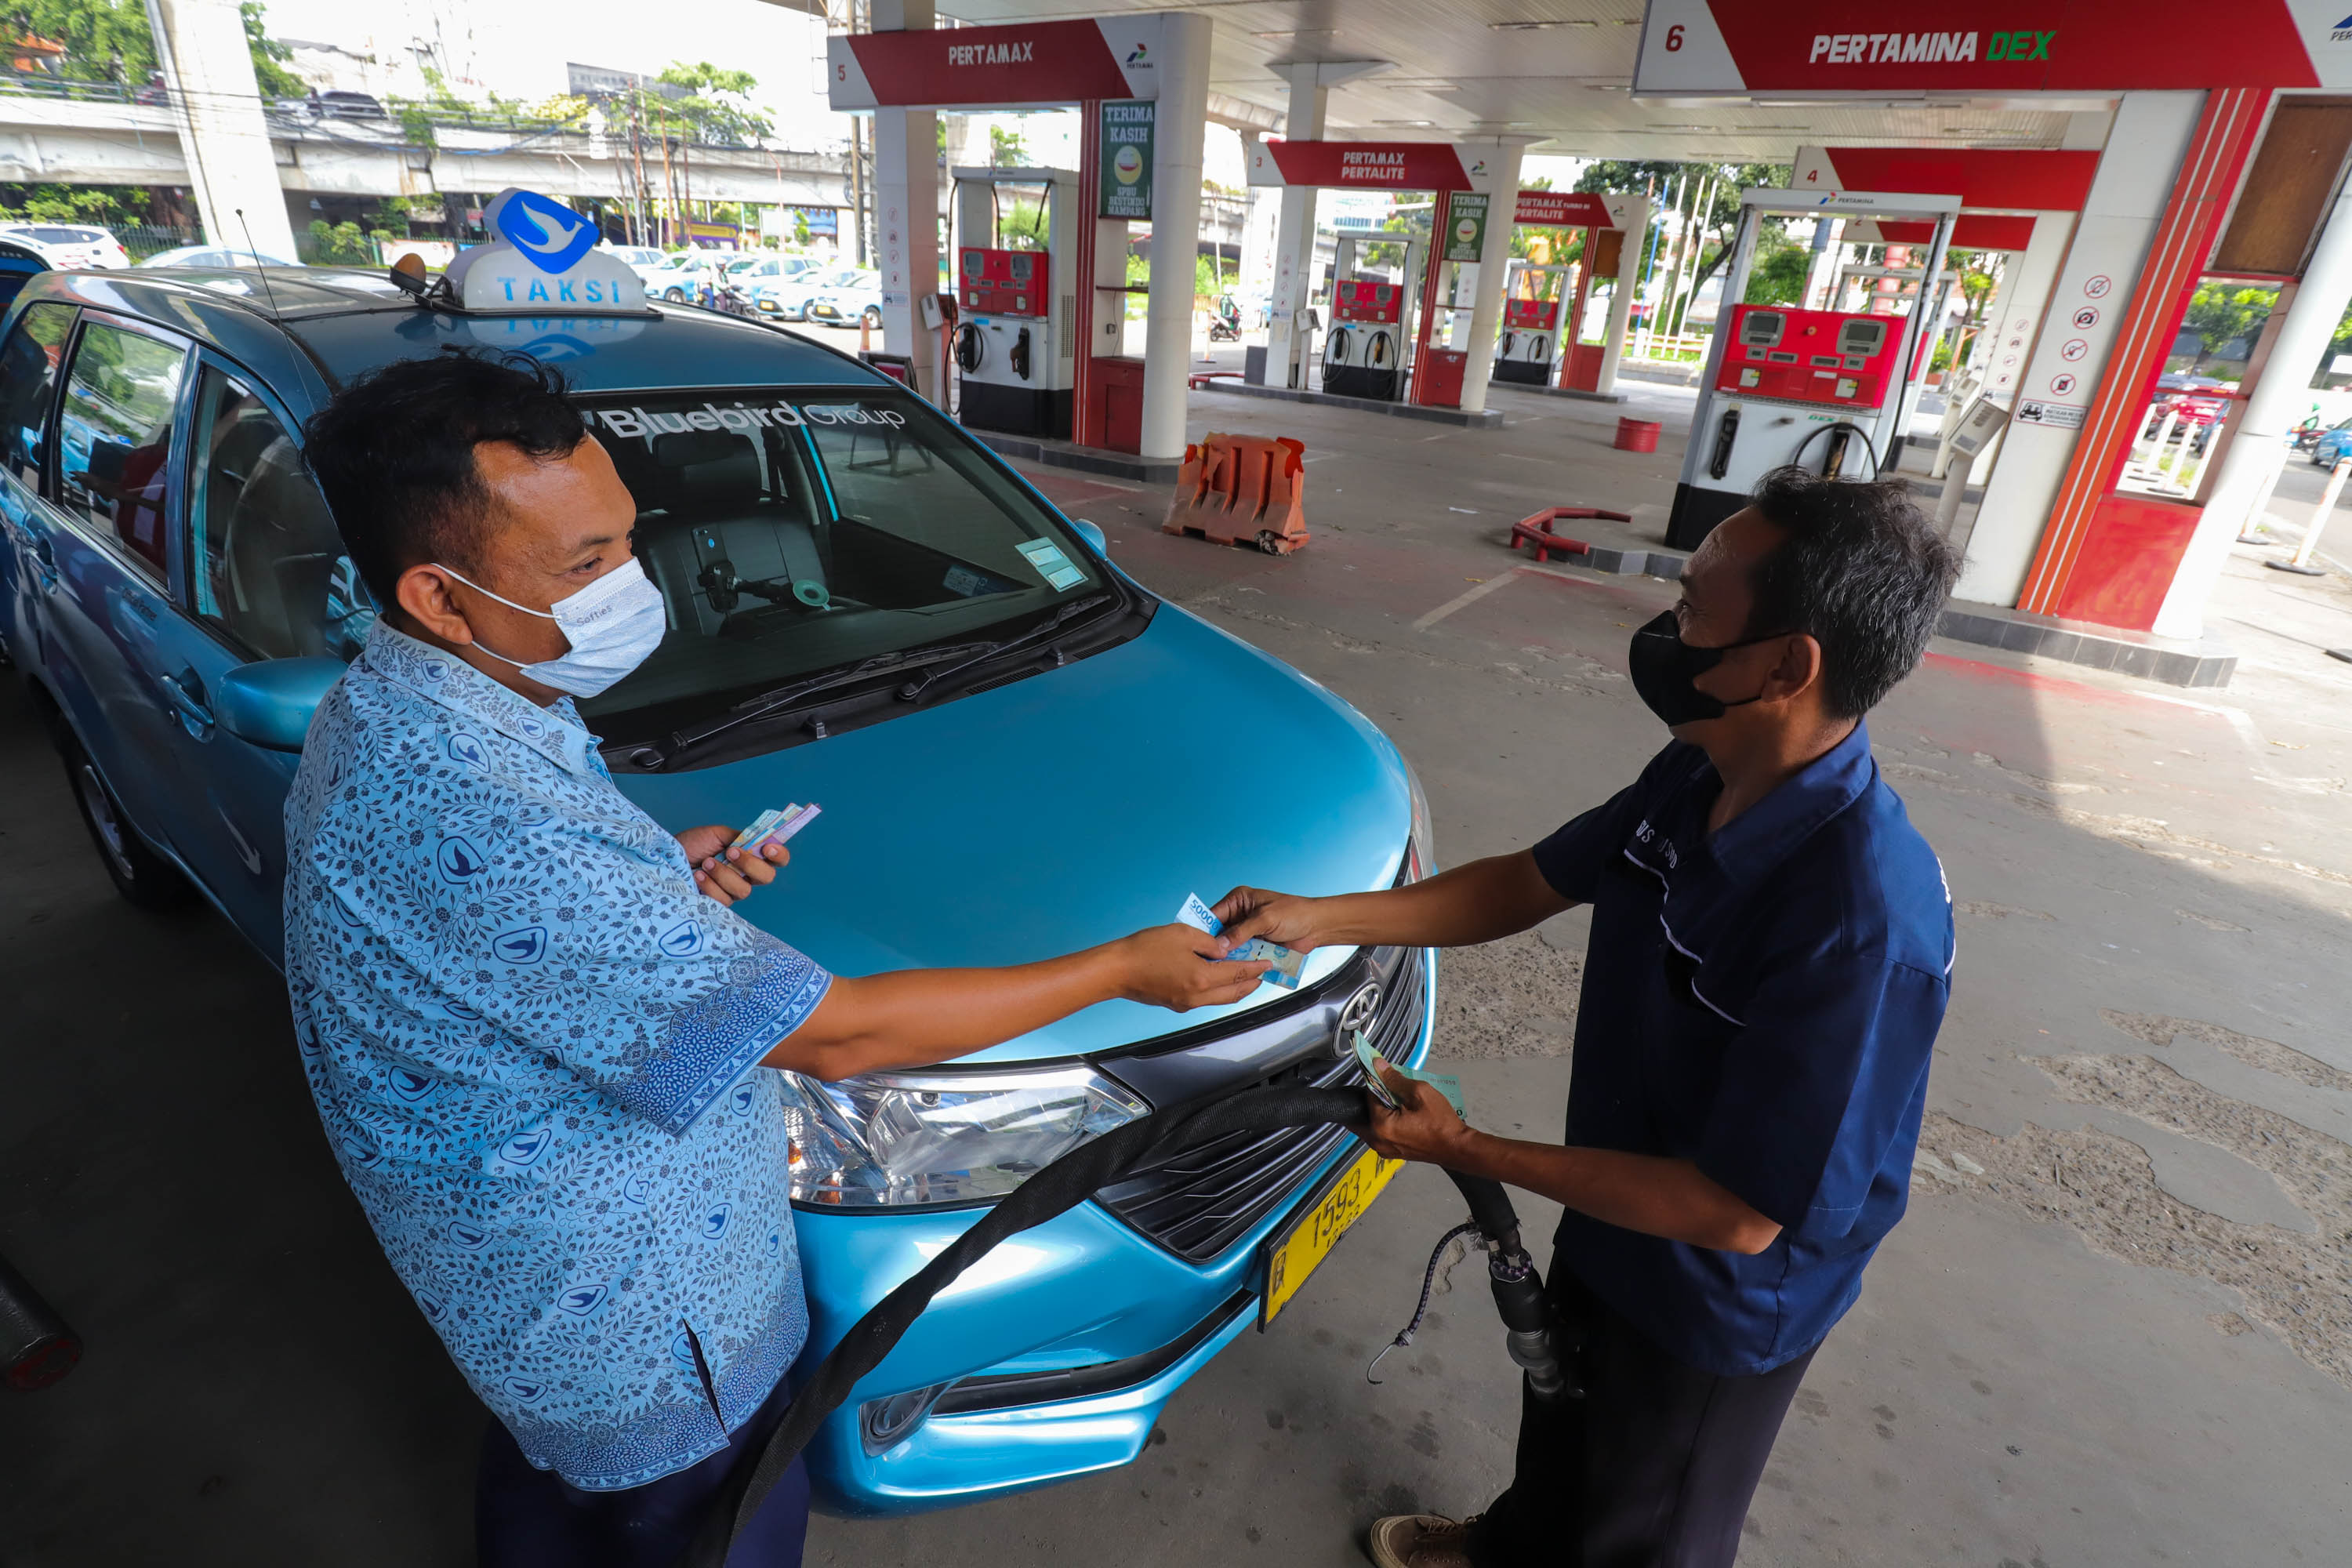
(528, 1518)
(1654, 1467)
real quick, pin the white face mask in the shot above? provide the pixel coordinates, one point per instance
(613, 624)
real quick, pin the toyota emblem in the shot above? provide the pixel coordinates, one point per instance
(1358, 1014)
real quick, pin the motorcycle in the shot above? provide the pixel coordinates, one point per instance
(1225, 326)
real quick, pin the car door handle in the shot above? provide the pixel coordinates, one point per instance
(44, 562)
(194, 717)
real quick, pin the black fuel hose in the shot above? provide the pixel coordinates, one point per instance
(37, 1346)
(1055, 1189)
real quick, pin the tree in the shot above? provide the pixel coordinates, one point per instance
(1007, 148)
(269, 55)
(1778, 276)
(719, 108)
(1713, 227)
(2226, 319)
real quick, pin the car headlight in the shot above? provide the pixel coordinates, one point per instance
(903, 1140)
(1422, 849)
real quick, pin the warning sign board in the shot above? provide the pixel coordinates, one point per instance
(2063, 415)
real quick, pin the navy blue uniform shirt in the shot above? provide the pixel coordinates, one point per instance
(1761, 1000)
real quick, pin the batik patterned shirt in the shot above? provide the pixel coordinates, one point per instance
(534, 1046)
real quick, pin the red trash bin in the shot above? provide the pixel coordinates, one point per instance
(1637, 435)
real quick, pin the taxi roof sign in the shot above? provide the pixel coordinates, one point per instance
(541, 260)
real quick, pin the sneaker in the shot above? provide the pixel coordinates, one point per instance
(1419, 1541)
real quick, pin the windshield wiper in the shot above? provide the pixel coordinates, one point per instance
(913, 690)
(785, 697)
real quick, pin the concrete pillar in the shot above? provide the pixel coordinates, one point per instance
(1494, 262)
(1294, 232)
(2257, 447)
(2135, 176)
(1621, 298)
(1176, 139)
(906, 210)
(208, 69)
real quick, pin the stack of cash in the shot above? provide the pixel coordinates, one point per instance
(1286, 963)
(774, 827)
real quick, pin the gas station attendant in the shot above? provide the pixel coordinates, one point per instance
(526, 1011)
(1770, 951)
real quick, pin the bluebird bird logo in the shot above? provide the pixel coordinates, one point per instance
(360, 1154)
(583, 1301)
(550, 233)
(524, 1149)
(681, 1350)
(776, 1242)
(472, 1237)
(527, 945)
(413, 1087)
(467, 749)
(554, 348)
(528, 1390)
(638, 1191)
(460, 1012)
(457, 860)
(714, 1223)
(741, 1098)
(682, 939)
(432, 1305)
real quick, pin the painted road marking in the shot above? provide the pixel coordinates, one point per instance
(1459, 601)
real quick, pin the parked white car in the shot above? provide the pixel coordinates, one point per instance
(68, 247)
(641, 259)
(789, 299)
(854, 300)
(679, 277)
(213, 256)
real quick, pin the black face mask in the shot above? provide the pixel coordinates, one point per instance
(1663, 666)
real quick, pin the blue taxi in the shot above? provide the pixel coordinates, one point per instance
(1012, 763)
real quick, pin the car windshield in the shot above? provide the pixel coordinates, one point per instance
(792, 534)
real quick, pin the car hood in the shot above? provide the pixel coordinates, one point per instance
(1066, 809)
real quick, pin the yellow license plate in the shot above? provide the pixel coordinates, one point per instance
(1297, 1249)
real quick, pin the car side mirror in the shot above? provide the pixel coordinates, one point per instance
(1092, 534)
(269, 702)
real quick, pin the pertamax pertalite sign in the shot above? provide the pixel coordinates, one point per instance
(1574, 209)
(1996, 48)
(1021, 64)
(1372, 166)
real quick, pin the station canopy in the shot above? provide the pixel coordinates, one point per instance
(1556, 73)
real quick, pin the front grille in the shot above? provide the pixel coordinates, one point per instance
(1198, 1200)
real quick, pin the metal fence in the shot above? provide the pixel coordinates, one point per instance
(141, 240)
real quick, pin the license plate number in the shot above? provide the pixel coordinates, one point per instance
(1294, 1252)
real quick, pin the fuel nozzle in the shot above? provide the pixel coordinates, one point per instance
(1528, 1325)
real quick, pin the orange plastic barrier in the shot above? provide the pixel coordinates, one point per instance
(1242, 490)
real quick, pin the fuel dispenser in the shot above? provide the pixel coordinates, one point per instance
(1016, 345)
(1371, 340)
(1529, 346)
(1819, 389)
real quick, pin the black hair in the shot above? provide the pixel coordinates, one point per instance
(394, 453)
(1861, 571)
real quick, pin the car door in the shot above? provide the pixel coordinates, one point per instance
(110, 541)
(30, 359)
(267, 578)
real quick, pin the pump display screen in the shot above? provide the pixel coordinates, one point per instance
(1867, 336)
(1006, 282)
(1363, 299)
(975, 262)
(1810, 356)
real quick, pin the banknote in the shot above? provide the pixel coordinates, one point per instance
(1444, 1083)
(1257, 950)
(774, 827)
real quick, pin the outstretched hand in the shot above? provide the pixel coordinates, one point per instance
(725, 875)
(1284, 919)
(1177, 967)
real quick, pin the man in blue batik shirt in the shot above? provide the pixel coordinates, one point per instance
(530, 1016)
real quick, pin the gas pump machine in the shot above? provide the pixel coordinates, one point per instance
(1371, 340)
(1016, 347)
(1529, 345)
(1819, 389)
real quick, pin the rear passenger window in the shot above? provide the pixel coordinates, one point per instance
(28, 378)
(114, 436)
(269, 567)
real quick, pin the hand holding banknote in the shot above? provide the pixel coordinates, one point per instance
(724, 873)
(1285, 918)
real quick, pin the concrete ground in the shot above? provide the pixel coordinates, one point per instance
(2113, 1328)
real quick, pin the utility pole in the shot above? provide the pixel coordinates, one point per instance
(857, 181)
(638, 151)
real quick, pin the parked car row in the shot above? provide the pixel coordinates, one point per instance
(175, 595)
(70, 247)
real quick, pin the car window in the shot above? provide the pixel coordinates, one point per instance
(114, 436)
(28, 379)
(796, 531)
(268, 567)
